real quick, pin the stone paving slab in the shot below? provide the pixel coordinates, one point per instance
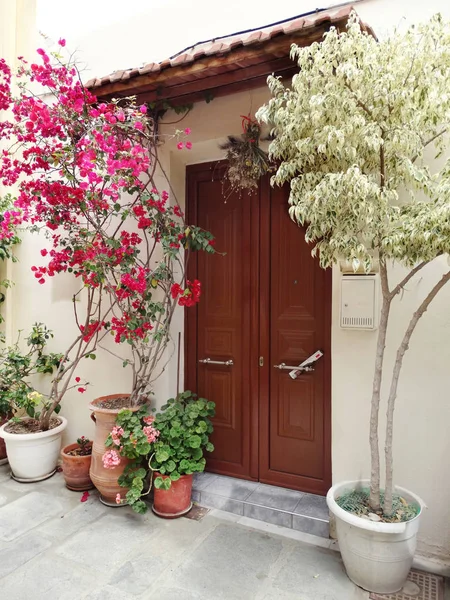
(108, 541)
(71, 522)
(48, 577)
(25, 513)
(19, 552)
(237, 561)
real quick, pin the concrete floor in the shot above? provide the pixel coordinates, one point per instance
(53, 547)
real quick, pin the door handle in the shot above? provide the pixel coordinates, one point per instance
(208, 361)
(285, 367)
(305, 366)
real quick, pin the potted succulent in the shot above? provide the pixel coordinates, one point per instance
(76, 462)
(165, 449)
(353, 130)
(106, 223)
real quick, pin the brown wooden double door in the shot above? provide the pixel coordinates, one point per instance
(265, 301)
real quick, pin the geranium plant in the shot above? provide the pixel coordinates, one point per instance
(85, 174)
(352, 136)
(170, 444)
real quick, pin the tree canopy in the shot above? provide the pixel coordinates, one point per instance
(352, 130)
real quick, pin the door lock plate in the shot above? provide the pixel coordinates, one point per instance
(261, 361)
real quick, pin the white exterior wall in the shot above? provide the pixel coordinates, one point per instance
(423, 410)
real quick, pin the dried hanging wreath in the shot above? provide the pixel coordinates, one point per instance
(247, 162)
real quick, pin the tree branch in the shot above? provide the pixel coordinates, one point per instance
(409, 276)
(374, 499)
(388, 499)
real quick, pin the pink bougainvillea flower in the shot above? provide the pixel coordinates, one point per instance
(81, 390)
(143, 109)
(41, 281)
(187, 131)
(110, 459)
(44, 252)
(188, 145)
(180, 145)
(77, 379)
(138, 125)
(62, 42)
(84, 497)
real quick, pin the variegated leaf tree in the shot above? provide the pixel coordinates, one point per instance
(353, 135)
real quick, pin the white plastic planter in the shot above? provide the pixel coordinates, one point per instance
(33, 456)
(377, 556)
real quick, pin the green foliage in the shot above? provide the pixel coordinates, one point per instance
(180, 435)
(184, 427)
(85, 445)
(357, 502)
(353, 130)
(6, 247)
(16, 367)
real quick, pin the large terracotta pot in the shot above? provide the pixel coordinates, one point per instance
(106, 480)
(76, 470)
(174, 502)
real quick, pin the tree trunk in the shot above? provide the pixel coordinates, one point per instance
(374, 500)
(389, 485)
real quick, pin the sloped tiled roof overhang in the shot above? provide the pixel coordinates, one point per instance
(223, 66)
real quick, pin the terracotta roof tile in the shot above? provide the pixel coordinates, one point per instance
(228, 43)
(148, 68)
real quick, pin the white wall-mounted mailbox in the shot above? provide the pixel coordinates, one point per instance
(359, 294)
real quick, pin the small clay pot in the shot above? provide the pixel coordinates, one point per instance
(174, 502)
(76, 469)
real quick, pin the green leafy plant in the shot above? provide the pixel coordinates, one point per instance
(85, 446)
(6, 247)
(171, 444)
(17, 393)
(184, 427)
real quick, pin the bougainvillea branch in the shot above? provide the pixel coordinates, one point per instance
(84, 171)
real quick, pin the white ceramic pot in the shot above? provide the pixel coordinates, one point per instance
(377, 556)
(33, 456)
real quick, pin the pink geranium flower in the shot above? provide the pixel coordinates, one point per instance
(111, 459)
(151, 434)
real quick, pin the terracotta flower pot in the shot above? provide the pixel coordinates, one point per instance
(106, 480)
(76, 470)
(174, 502)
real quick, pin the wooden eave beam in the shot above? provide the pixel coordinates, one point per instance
(199, 71)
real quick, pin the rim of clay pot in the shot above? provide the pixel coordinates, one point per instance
(70, 447)
(109, 411)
